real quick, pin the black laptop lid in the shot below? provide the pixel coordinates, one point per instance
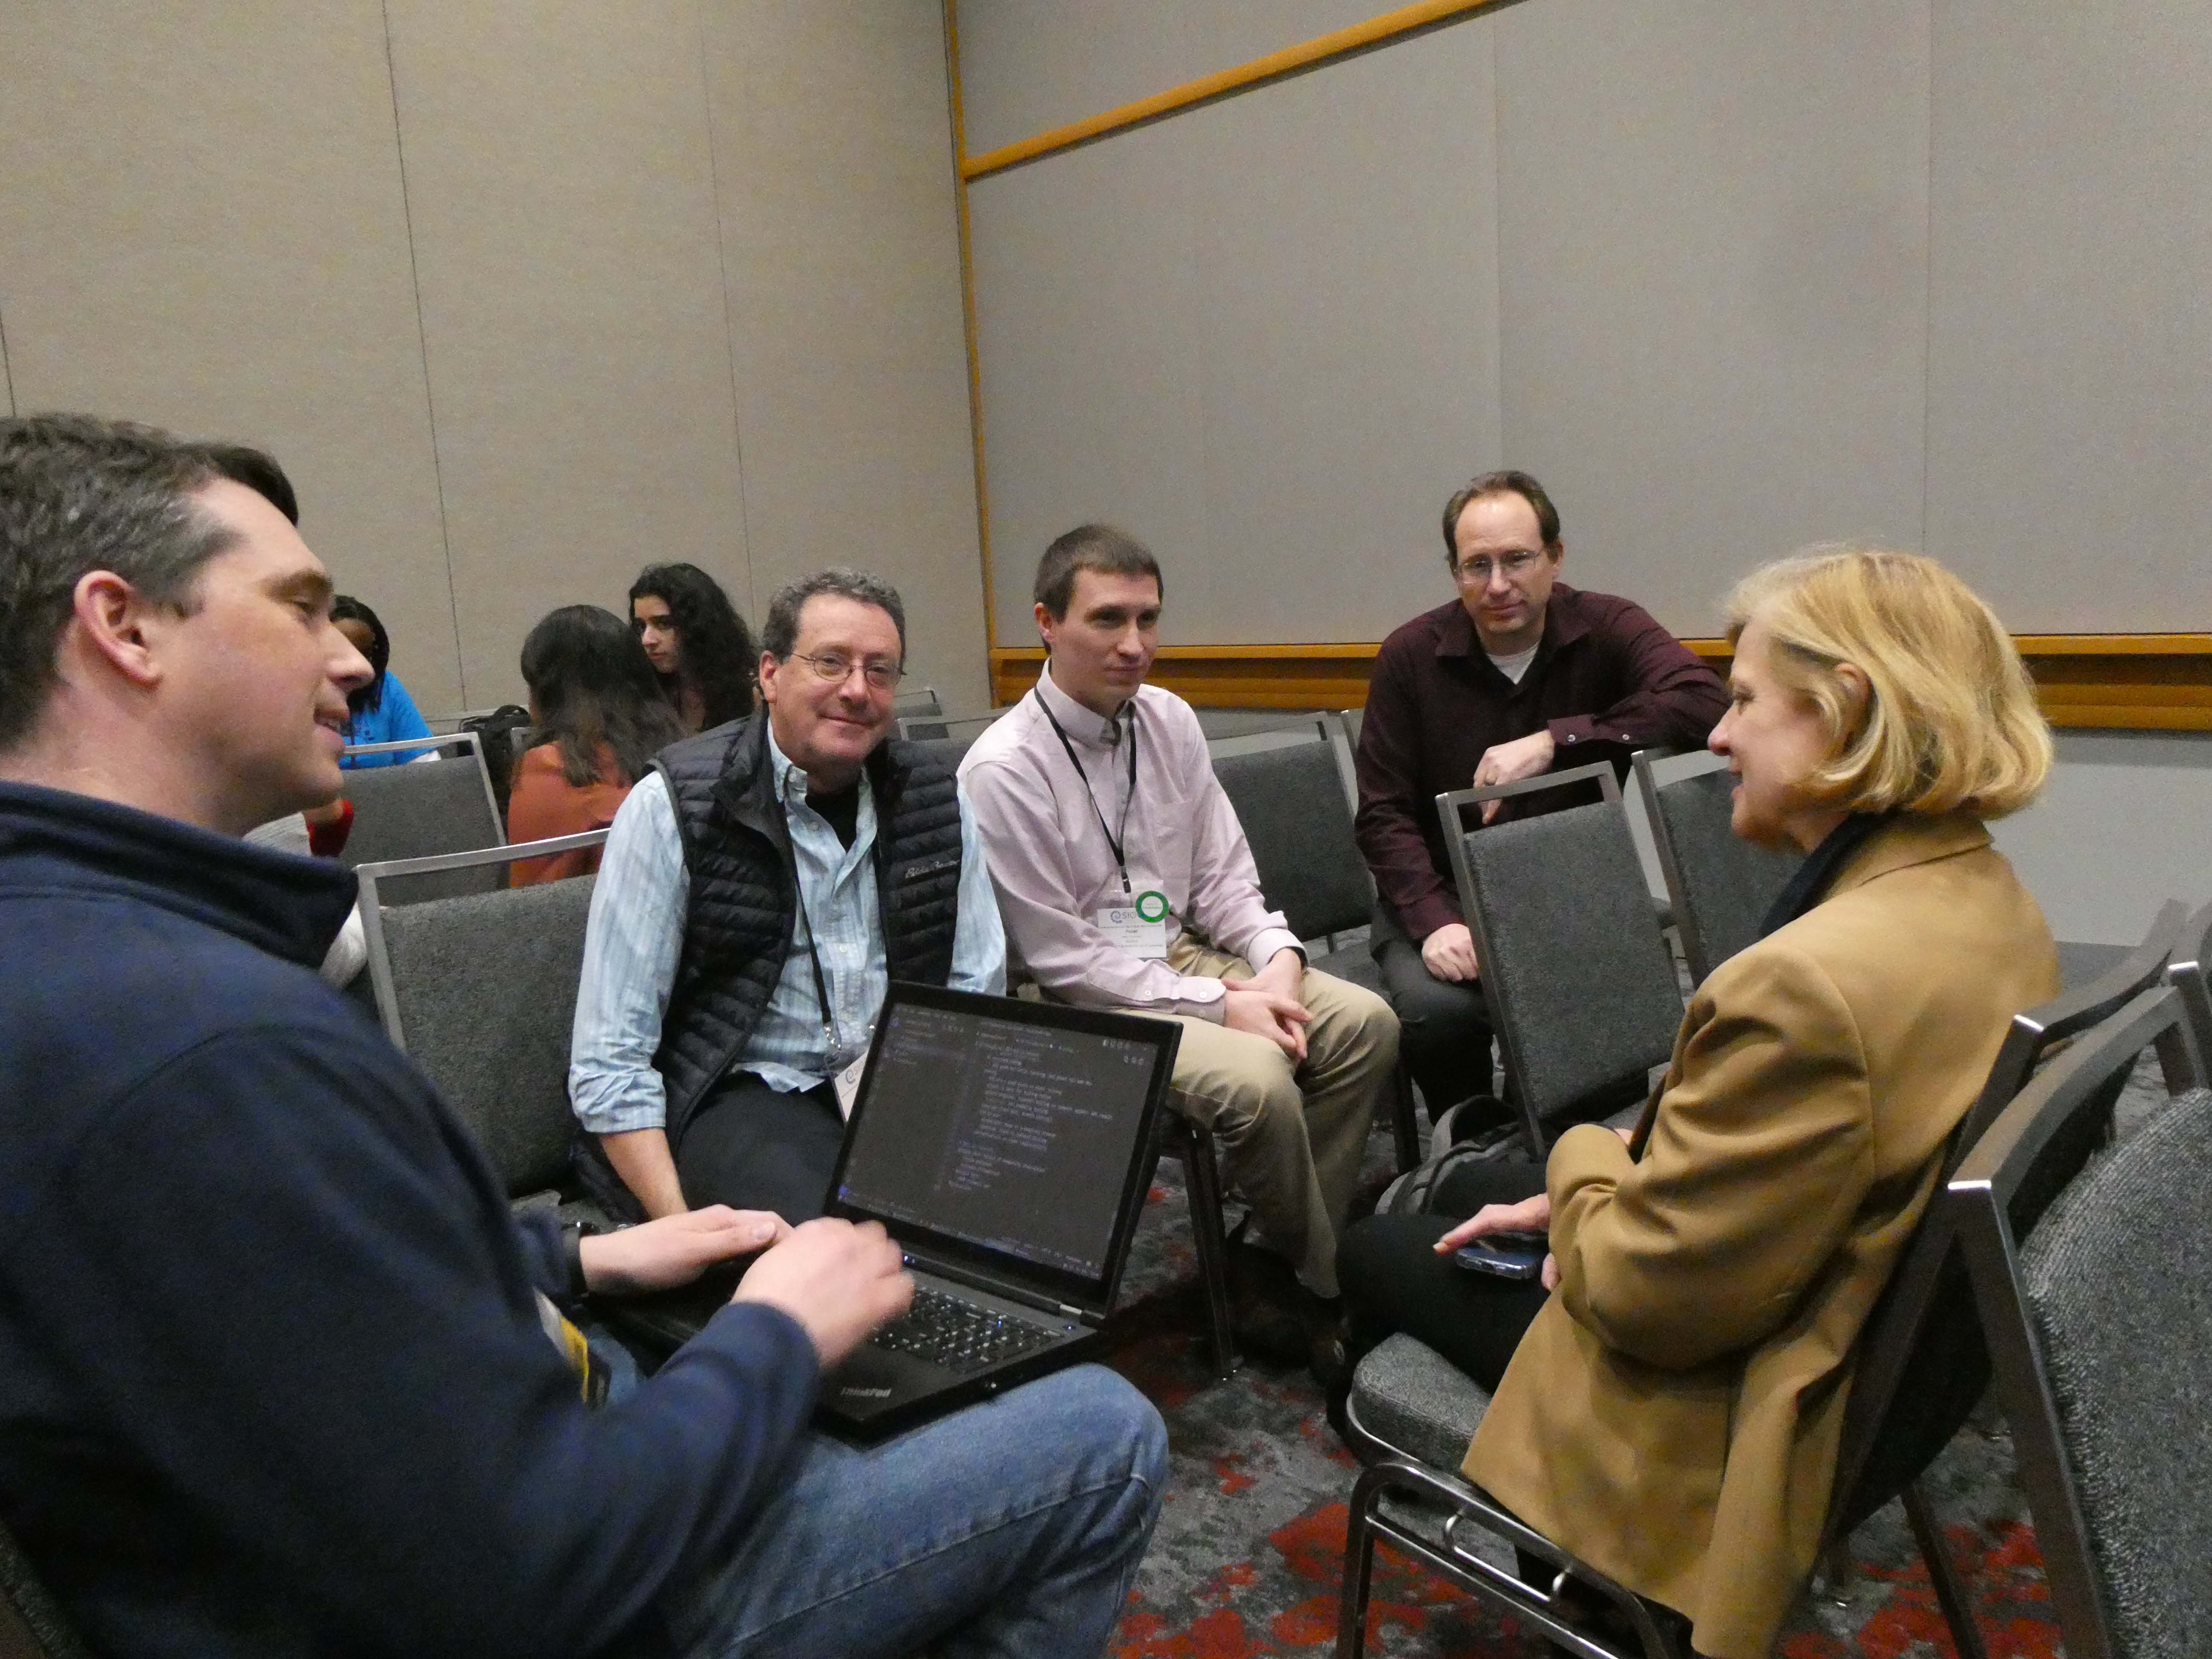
(1007, 1136)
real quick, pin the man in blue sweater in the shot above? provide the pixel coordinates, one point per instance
(279, 1375)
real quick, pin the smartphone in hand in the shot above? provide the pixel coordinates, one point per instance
(1506, 1256)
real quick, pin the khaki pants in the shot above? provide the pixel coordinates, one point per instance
(1290, 1138)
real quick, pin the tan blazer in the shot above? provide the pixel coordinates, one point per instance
(1673, 1414)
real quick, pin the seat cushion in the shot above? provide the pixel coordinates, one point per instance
(1409, 1396)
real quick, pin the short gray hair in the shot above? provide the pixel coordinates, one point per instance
(80, 493)
(780, 633)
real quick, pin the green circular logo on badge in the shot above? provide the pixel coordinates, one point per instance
(1151, 907)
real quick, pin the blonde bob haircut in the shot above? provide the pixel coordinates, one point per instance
(1951, 723)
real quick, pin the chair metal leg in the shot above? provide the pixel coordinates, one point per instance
(1202, 1181)
(1404, 1126)
(1358, 1579)
(1943, 1574)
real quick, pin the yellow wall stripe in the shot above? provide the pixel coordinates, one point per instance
(1359, 37)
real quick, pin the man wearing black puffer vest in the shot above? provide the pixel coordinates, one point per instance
(761, 886)
(280, 1374)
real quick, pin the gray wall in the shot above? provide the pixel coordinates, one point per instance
(1730, 279)
(524, 296)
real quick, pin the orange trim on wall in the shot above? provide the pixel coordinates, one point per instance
(1310, 54)
(968, 316)
(2086, 682)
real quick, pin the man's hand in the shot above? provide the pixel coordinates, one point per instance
(1449, 953)
(1281, 1019)
(1510, 762)
(838, 1280)
(1284, 974)
(674, 1250)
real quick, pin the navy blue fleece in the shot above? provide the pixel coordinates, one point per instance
(272, 1375)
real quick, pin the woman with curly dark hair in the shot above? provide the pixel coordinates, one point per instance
(700, 647)
(599, 718)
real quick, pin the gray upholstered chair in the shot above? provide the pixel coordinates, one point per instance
(1580, 982)
(1718, 885)
(1290, 801)
(2098, 1305)
(31, 1623)
(962, 728)
(1921, 1364)
(2190, 972)
(480, 991)
(424, 809)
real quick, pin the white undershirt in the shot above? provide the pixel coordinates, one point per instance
(1514, 666)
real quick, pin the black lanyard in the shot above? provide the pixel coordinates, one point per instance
(829, 1032)
(1113, 841)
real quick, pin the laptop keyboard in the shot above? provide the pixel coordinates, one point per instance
(959, 1336)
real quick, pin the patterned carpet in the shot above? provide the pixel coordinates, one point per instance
(1248, 1557)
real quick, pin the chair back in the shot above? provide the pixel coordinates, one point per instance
(965, 728)
(1290, 801)
(921, 700)
(1923, 1361)
(1719, 886)
(480, 992)
(2189, 971)
(1581, 984)
(2091, 1276)
(425, 809)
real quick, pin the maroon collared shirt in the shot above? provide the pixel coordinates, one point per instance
(1606, 680)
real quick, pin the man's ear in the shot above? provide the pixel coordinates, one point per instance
(765, 676)
(115, 620)
(1045, 622)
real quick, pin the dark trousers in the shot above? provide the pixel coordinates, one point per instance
(756, 1148)
(1393, 1280)
(1443, 1026)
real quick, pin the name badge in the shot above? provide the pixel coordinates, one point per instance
(1140, 928)
(846, 1083)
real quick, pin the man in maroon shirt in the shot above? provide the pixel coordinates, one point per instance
(1523, 674)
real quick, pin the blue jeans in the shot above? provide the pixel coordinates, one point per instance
(1013, 1527)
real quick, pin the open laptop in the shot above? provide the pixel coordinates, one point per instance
(1004, 1144)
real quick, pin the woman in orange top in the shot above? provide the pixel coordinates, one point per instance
(599, 718)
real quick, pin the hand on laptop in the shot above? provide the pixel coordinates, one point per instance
(658, 1256)
(838, 1280)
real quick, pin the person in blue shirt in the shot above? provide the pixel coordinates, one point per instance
(380, 711)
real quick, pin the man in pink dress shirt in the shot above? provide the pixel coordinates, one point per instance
(1125, 881)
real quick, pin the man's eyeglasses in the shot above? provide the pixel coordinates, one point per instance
(831, 666)
(1479, 569)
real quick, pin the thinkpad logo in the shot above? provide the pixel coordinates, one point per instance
(867, 1394)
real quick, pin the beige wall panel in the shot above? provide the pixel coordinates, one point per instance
(833, 135)
(201, 225)
(1027, 66)
(1348, 246)
(2070, 365)
(1713, 308)
(1088, 316)
(559, 180)
(1262, 336)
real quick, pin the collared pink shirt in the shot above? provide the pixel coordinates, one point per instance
(1053, 868)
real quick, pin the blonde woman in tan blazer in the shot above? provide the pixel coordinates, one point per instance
(1670, 1410)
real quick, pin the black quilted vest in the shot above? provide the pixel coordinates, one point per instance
(743, 909)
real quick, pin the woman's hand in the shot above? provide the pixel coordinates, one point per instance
(1531, 1215)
